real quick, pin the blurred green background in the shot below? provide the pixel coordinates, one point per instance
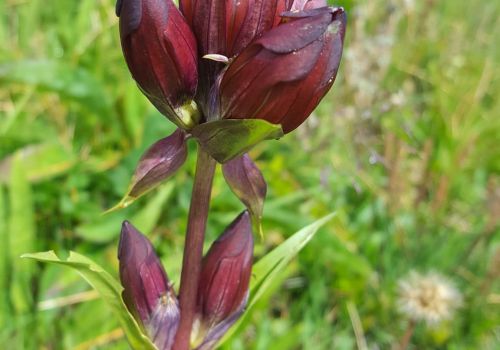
(405, 149)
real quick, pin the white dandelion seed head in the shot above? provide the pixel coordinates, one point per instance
(431, 298)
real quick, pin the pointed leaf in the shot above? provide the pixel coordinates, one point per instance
(159, 163)
(248, 184)
(71, 82)
(105, 228)
(229, 138)
(21, 235)
(146, 219)
(41, 161)
(109, 289)
(275, 261)
(4, 260)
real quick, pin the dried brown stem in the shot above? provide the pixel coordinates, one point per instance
(405, 340)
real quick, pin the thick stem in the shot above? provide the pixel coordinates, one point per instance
(193, 248)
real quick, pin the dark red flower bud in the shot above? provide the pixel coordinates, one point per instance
(225, 27)
(161, 53)
(224, 282)
(247, 182)
(147, 292)
(159, 162)
(282, 76)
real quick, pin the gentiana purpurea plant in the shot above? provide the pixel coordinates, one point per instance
(229, 74)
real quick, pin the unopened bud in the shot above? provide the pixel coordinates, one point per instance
(159, 162)
(161, 53)
(147, 292)
(224, 282)
(248, 184)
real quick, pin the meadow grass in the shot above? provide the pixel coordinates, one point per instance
(405, 149)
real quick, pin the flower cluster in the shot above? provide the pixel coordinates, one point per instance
(229, 73)
(232, 59)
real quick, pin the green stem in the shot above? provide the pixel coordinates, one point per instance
(193, 248)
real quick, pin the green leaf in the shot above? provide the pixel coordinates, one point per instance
(4, 259)
(21, 236)
(133, 113)
(268, 267)
(109, 289)
(107, 227)
(271, 264)
(228, 138)
(146, 219)
(41, 161)
(56, 76)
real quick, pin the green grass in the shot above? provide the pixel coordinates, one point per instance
(405, 148)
